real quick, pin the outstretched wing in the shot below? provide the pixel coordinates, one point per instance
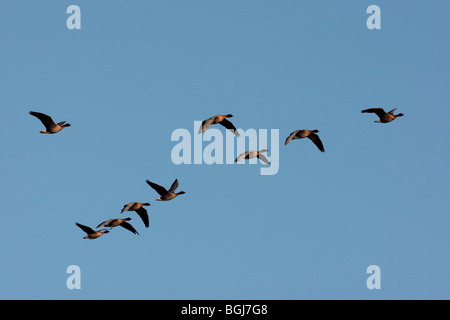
(263, 158)
(142, 212)
(227, 124)
(242, 156)
(205, 124)
(46, 120)
(291, 136)
(392, 111)
(128, 226)
(85, 228)
(315, 138)
(161, 190)
(378, 111)
(105, 223)
(127, 206)
(174, 186)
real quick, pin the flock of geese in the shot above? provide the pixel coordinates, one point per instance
(166, 195)
(138, 207)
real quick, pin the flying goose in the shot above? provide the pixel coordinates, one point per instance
(50, 126)
(310, 134)
(139, 209)
(219, 119)
(111, 223)
(384, 117)
(91, 234)
(252, 154)
(164, 194)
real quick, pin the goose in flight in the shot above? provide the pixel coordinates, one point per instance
(91, 234)
(384, 117)
(139, 209)
(111, 223)
(310, 134)
(221, 119)
(50, 126)
(252, 154)
(165, 195)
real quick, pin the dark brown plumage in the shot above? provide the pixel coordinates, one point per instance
(50, 126)
(139, 209)
(165, 195)
(310, 134)
(221, 119)
(91, 234)
(384, 116)
(112, 223)
(253, 154)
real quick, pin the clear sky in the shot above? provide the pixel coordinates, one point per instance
(138, 70)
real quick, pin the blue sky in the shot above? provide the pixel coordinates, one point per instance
(136, 72)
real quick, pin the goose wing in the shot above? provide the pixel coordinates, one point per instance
(142, 212)
(242, 156)
(378, 111)
(46, 120)
(129, 227)
(263, 158)
(227, 124)
(127, 206)
(291, 136)
(205, 124)
(392, 111)
(315, 138)
(85, 228)
(161, 190)
(105, 223)
(174, 186)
